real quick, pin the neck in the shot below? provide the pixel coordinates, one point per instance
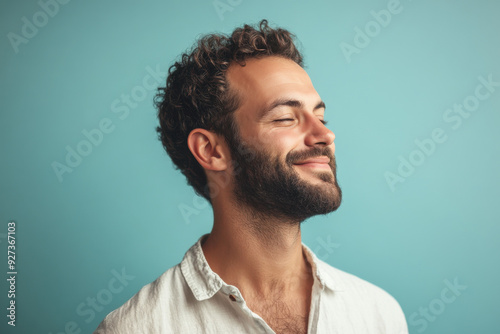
(258, 254)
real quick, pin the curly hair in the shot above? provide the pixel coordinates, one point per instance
(197, 93)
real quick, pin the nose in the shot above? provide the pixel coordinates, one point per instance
(318, 133)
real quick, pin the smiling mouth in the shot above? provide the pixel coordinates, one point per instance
(314, 165)
(320, 162)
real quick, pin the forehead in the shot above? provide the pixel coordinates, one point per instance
(262, 80)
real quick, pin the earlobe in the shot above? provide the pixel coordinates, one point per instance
(207, 149)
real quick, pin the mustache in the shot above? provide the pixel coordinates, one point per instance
(314, 152)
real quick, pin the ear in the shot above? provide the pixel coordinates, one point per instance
(209, 149)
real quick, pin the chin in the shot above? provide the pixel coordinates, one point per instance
(321, 178)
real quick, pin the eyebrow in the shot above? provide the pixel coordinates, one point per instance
(288, 102)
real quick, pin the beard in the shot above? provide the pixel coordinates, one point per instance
(272, 188)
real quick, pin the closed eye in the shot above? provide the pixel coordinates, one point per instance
(283, 120)
(291, 119)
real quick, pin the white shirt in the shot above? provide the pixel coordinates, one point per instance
(191, 298)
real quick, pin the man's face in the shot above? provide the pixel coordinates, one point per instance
(284, 155)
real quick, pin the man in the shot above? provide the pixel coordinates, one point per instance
(241, 119)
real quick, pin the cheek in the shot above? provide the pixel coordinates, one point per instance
(278, 144)
(272, 140)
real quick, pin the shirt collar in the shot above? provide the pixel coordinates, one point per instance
(320, 267)
(204, 283)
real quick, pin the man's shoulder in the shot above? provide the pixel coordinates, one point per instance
(349, 283)
(363, 299)
(345, 280)
(142, 310)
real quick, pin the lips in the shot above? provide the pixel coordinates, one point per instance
(318, 160)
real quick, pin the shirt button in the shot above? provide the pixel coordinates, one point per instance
(232, 298)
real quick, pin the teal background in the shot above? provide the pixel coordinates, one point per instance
(121, 207)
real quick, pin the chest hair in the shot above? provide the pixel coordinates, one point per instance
(284, 317)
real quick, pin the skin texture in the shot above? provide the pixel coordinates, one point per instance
(257, 250)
